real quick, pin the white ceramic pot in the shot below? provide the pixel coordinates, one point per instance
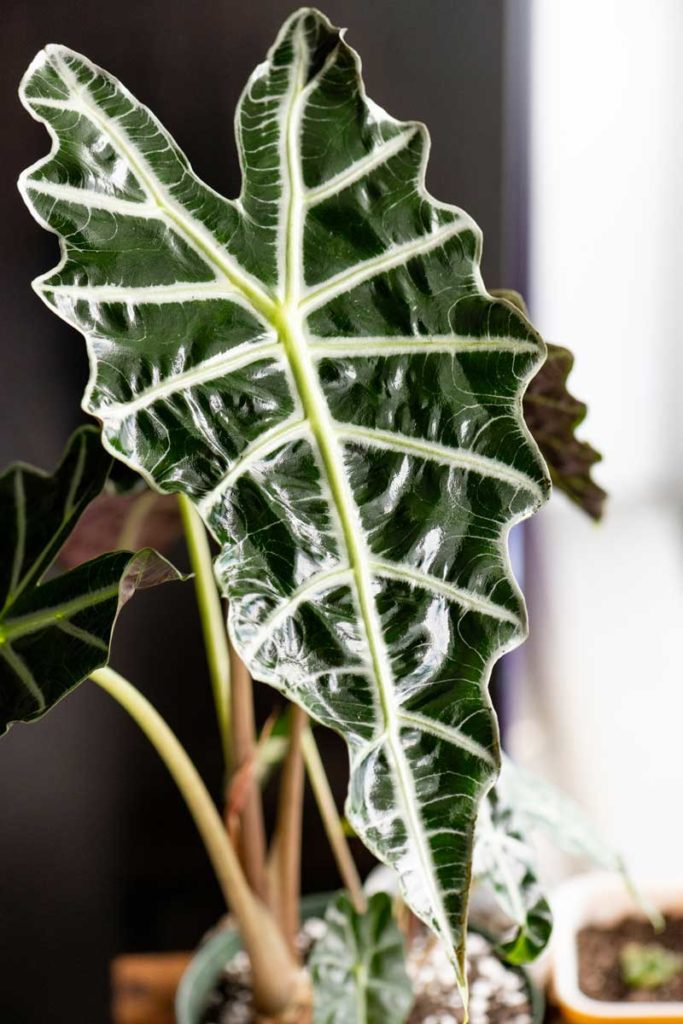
(602, 899)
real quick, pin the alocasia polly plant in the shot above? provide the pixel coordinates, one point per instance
(316, 367)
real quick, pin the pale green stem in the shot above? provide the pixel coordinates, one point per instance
(329, 814)
(276, 977)
(212, 618)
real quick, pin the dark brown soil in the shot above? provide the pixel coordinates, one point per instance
(599, 950)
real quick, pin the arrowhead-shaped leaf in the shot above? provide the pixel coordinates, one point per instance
(55, 632)
(553, 416)
(319, 367)
(506, 863)
(358, 966)
(540, 806)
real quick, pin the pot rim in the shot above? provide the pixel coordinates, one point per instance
(600, 897)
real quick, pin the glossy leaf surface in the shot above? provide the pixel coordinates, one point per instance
(319, 367)
(358, 966)
(55, 632)
(553, 416)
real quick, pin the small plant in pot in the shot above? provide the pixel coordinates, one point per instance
(318, 372)
(612, 961)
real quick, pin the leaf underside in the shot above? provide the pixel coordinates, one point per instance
(55, 632)
(358, 966)
(318, 366)
(553, 415)
(117, 521)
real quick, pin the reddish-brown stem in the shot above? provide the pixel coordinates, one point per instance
(287, 839)
(251, 840)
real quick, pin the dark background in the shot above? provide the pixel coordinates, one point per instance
(97, 852)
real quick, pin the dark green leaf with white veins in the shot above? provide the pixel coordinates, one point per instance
(55, 632)
(506, 863)
(358, 966)
(318, 366)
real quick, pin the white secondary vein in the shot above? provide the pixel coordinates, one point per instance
(360, 168)
(194, 230)
(467, 599)
(483, 465)
(416, 345)
(151, 294)
(265, 444)
(93, 200)
(211, 369)
(449, 733)
(319, 295)
(313, 587)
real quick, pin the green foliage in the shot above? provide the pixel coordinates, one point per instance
(319, 368)
(553, 416)
(358, 966)
(538, 805)
(505, 861)
(648, 965)
(55, 631)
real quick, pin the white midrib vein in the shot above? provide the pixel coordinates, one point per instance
(311, 395)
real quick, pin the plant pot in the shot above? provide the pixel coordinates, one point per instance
(202, 976)
(602, 899)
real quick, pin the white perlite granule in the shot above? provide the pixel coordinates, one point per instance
(497, 992)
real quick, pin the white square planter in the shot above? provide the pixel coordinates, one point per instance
(601, 899)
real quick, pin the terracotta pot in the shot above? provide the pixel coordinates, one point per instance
(144, 986)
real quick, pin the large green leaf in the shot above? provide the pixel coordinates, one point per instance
(55, 632)
(358, 966)
(318, 366)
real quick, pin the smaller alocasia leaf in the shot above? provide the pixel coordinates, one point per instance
(55, 632)
(506, 864)
(538, 805)
(553, 416)
(358, 966)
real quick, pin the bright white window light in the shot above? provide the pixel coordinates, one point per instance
(606, 274)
